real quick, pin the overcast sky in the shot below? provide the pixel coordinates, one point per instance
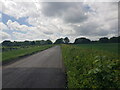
(43, 20)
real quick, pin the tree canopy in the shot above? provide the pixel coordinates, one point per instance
(82, 41)
(104, 40)
(65, 40)
(59, 41)
(26, 43)
(49, 41)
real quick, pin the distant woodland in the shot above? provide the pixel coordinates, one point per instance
(82, 40)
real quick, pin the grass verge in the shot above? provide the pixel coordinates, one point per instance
(14, 54)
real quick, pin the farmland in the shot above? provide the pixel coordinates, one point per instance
(92, 65)
(86, 65)
(13, 52)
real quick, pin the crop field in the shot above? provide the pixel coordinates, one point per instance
(92, 65)
(9, 53)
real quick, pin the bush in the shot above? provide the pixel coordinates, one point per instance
(91, 68)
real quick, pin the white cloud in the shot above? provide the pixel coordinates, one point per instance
(3, 26)
(4, 36)
(55, 20)
(16, 26)
(0, 16)
(19, 9)
(23, 32)
(32, 36)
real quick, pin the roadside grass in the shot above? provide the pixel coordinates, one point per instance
(92, 65)
(13, 54)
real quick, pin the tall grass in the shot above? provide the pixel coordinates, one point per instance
(92, 66)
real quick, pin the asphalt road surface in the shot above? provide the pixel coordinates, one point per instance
(41, 70)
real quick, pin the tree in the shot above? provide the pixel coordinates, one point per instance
(66, 40)
(7, 43)
(94, 41)
(59, 41)
(26, 43)
(82, 41)
(113, 40)
(42, 42)
(118, 39)
(38, 42)
(32, 43)
(104, 40)
(49, 42)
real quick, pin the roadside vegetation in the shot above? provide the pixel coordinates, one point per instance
(89, 64)
(92, 65)
(14, 52)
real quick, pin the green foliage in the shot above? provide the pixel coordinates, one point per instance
(59, 41)
(62, 41)
(26, 43)
(66, 40)
(82, 40)
(49, 42)
(92, 66)
(104, 40)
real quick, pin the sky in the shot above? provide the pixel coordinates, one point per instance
(20, 21)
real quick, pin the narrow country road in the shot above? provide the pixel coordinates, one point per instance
(41, 70)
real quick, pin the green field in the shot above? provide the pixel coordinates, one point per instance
(92, 65)
(87, 65)
(15, 52)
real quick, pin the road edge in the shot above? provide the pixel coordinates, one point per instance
(4, 63)
(64, 68)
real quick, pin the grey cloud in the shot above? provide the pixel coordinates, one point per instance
(48, 33)
(70, 12)
(75, 15)
(57, 16)
(55, 8)
(90, 29)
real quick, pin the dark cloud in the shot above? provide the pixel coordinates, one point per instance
(70, 12)
(75, 15)
(54, 8)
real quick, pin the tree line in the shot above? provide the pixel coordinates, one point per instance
(65, 40)
(101, 40)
